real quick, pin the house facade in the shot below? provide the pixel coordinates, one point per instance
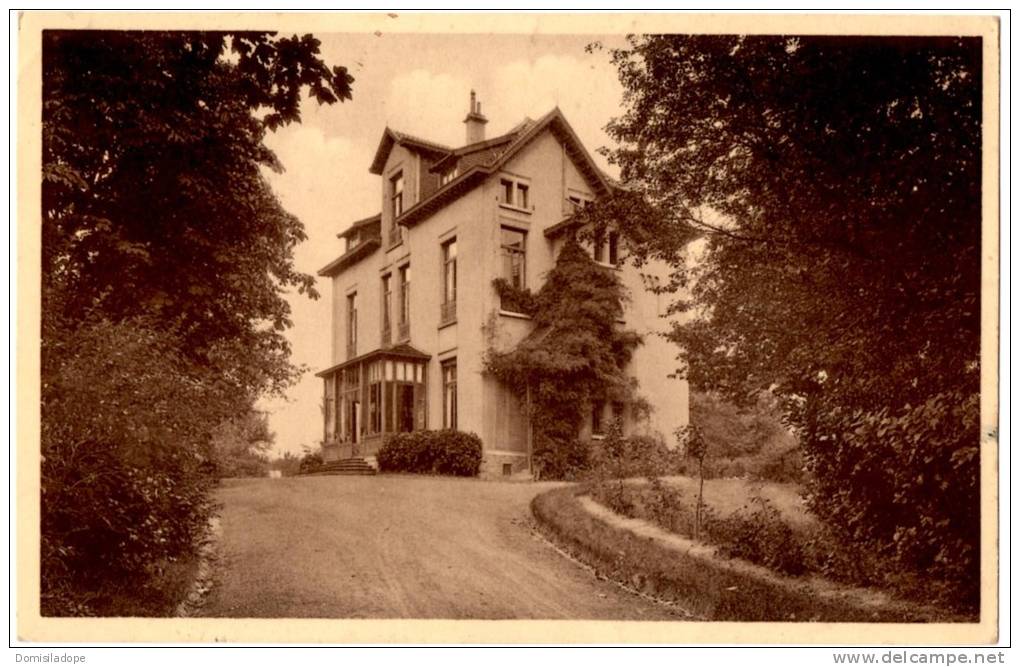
(414, 309)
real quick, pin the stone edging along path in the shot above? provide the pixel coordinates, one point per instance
(713, 586)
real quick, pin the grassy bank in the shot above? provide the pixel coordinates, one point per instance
(708, 586)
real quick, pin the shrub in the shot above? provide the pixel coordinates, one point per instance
(126, 461)
(757, 533)
(310, 462)
(445, 452)
(565, 458)
(457, 453)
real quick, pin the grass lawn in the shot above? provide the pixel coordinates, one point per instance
(729, 495)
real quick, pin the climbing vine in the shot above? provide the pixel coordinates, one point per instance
(575, 355)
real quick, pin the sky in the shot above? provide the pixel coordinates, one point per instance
(420, 84)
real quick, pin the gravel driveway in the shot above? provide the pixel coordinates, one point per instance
(398, 547)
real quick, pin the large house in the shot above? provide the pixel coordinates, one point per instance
(414, 307)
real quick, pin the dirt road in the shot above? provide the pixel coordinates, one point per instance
(399, 547)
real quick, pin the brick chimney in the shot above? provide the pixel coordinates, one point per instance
(475, 122)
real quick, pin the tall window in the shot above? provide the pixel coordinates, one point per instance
(512, 245)
(387, 304)
(598, 250)
(396, 207)
(613, 240)
(329, 409)
(404, 321)
(352, 324)
(397, 195)
(374, 398)
(598, 408)
(449, 306)
(450, 393)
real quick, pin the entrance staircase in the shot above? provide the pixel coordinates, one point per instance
(358, 465)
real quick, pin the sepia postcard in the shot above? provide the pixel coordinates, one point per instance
(500, 328)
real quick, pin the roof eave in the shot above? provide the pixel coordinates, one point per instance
(362, 250)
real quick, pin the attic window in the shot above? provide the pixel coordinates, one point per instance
(447, 176)
(514, 193)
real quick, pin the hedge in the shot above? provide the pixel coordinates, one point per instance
(445, 452)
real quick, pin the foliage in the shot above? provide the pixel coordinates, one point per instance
(124, 473)
(703, 587)
(445, 452)
(748, 440)
(310, 462)
(240, 445)
(154, 200)
(514, 299)
(288, 463)
(575, 355)
(165, 257)
(819, 201)
(757, 533)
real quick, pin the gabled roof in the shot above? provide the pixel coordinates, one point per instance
(493, 144)
(391, 137)
(553, 121)
(361, 224)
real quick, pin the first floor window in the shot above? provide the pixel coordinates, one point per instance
(449, 305)
(352, 323)
(512, 245)
(598, 252)
(613, 241)
(404, 320)
(387, 304)
(450, 394)
(597, 425)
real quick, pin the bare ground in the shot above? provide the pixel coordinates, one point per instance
(399, 547)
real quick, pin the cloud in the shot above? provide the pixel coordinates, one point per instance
(429, 105)
(586, 90)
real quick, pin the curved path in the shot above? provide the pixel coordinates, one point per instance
(398, 547)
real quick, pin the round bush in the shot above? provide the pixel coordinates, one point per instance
(444, 452)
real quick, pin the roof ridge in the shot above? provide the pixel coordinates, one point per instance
(421, 140)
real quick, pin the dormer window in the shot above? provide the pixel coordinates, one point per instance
(448, 176)
(514, 192)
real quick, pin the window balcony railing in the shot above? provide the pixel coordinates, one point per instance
(352, 350)
(395, 236)
(448, 313)
(404, 331)
(387, 334)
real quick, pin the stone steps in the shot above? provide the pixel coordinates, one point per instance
(351, 466)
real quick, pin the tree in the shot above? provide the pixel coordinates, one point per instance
(165, 256)
(240, 445)
(574, 356)
(832, 186)
(154, 200)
